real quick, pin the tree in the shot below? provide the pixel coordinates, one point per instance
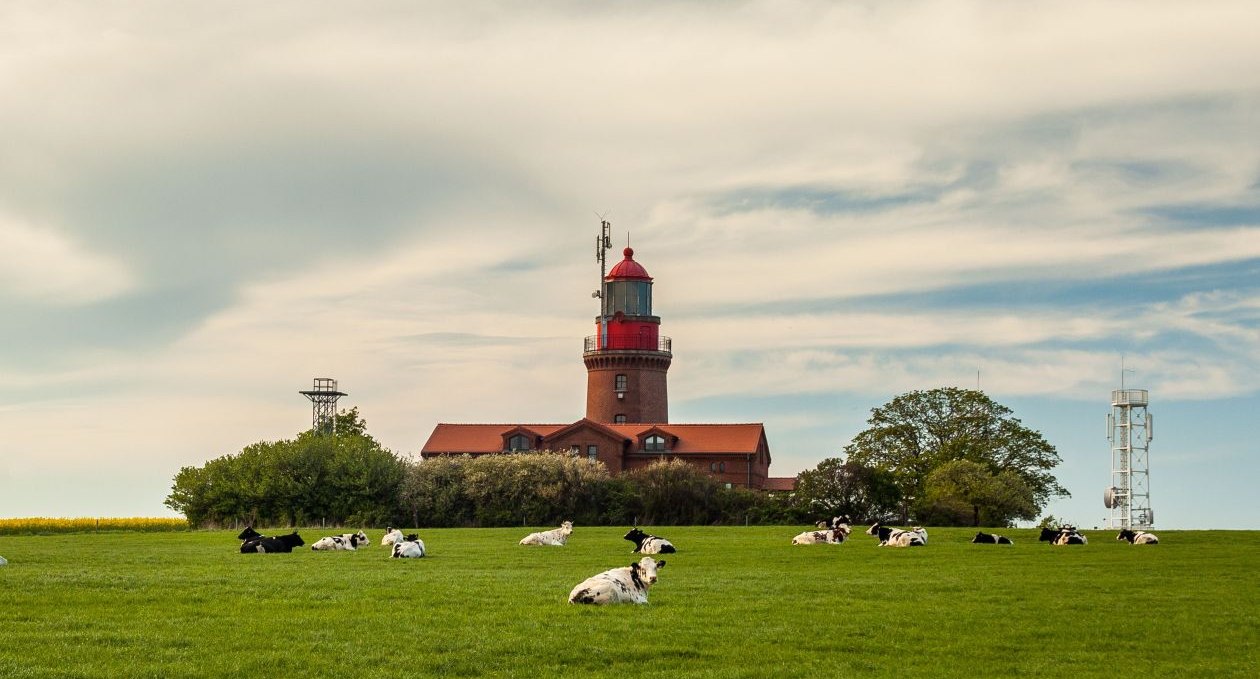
(965, 493)
(347, 478)
(837, 487)
(916, 433)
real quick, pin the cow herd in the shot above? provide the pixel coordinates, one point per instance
(630, 584)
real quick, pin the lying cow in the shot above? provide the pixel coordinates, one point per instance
(280, 544)
(649, 544)
(1066, 535)
(359, 538)
(392, 536)
(833, 522)
(831, 536)
(410, 547)
(626, 585)
(990, 539)
(249, 534)
(3, 561)
(555, 537)
(1137, 537)
(337, 543)
(898, 537)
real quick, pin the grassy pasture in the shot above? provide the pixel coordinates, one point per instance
(735, 602)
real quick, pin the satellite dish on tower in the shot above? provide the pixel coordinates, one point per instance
(1109, 498)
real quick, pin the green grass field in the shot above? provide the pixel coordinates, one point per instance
(734, 602)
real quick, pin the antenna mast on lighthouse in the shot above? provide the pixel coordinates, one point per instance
(603, 243)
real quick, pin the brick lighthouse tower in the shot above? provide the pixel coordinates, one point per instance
(627, 359)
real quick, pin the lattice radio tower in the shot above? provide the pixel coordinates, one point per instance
(1130, 430)
(324, 405)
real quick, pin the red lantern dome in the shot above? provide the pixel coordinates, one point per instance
(628, 269)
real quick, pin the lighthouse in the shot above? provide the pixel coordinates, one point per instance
(627, 359)
(627, 425)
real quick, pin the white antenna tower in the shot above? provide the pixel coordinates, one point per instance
(1130, 429)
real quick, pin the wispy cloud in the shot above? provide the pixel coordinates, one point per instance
(43, 266)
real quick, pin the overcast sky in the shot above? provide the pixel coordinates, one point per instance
(205, 205)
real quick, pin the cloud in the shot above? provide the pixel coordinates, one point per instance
(840, 201)
(40, 265)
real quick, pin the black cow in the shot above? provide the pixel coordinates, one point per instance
(250, 534)
(283, 543)
(649, 544)
(990, 539)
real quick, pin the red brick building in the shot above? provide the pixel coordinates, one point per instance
(627, 405)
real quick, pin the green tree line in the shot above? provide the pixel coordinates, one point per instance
(944, 457)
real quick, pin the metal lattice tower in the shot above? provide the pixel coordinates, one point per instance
(324, 404)
(1129, 429)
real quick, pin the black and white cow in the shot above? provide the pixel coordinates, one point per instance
(410, 547)
(898, 537)
(1066, 535)
(555, 537)
(990, 539)
(357, 539)
(830, 536)
(626, 585)
(282, 543)
(3, 561)
(649, 544)
(1137, 537)
(392, 536)
(833, 522)
(249, 534)
(337, 542)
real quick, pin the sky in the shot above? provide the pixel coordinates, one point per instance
(205, 206)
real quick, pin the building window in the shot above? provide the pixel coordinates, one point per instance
(519, 442)
(654, 443)
(619, 418)
(712, 466)
(592, 453)
(722, 466)
(619, 383)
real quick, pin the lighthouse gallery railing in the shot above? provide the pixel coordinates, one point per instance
(628, 343)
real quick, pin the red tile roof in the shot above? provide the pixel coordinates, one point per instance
(477, 438)
(780, 483)
(692, 439)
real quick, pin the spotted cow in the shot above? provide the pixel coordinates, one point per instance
(830, 536)
(1137, 537)
(1066, 535)
(392, 536)
(649, 544)
(555, 537)
(833, 522)
(990, 539)
(410, 547)
(625, 585)
(349, 542)
(898, 537)
(249, 534)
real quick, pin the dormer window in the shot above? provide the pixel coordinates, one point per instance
(519, 442)
(654, 443)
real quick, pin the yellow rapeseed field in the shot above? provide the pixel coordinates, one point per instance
(42, 524)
